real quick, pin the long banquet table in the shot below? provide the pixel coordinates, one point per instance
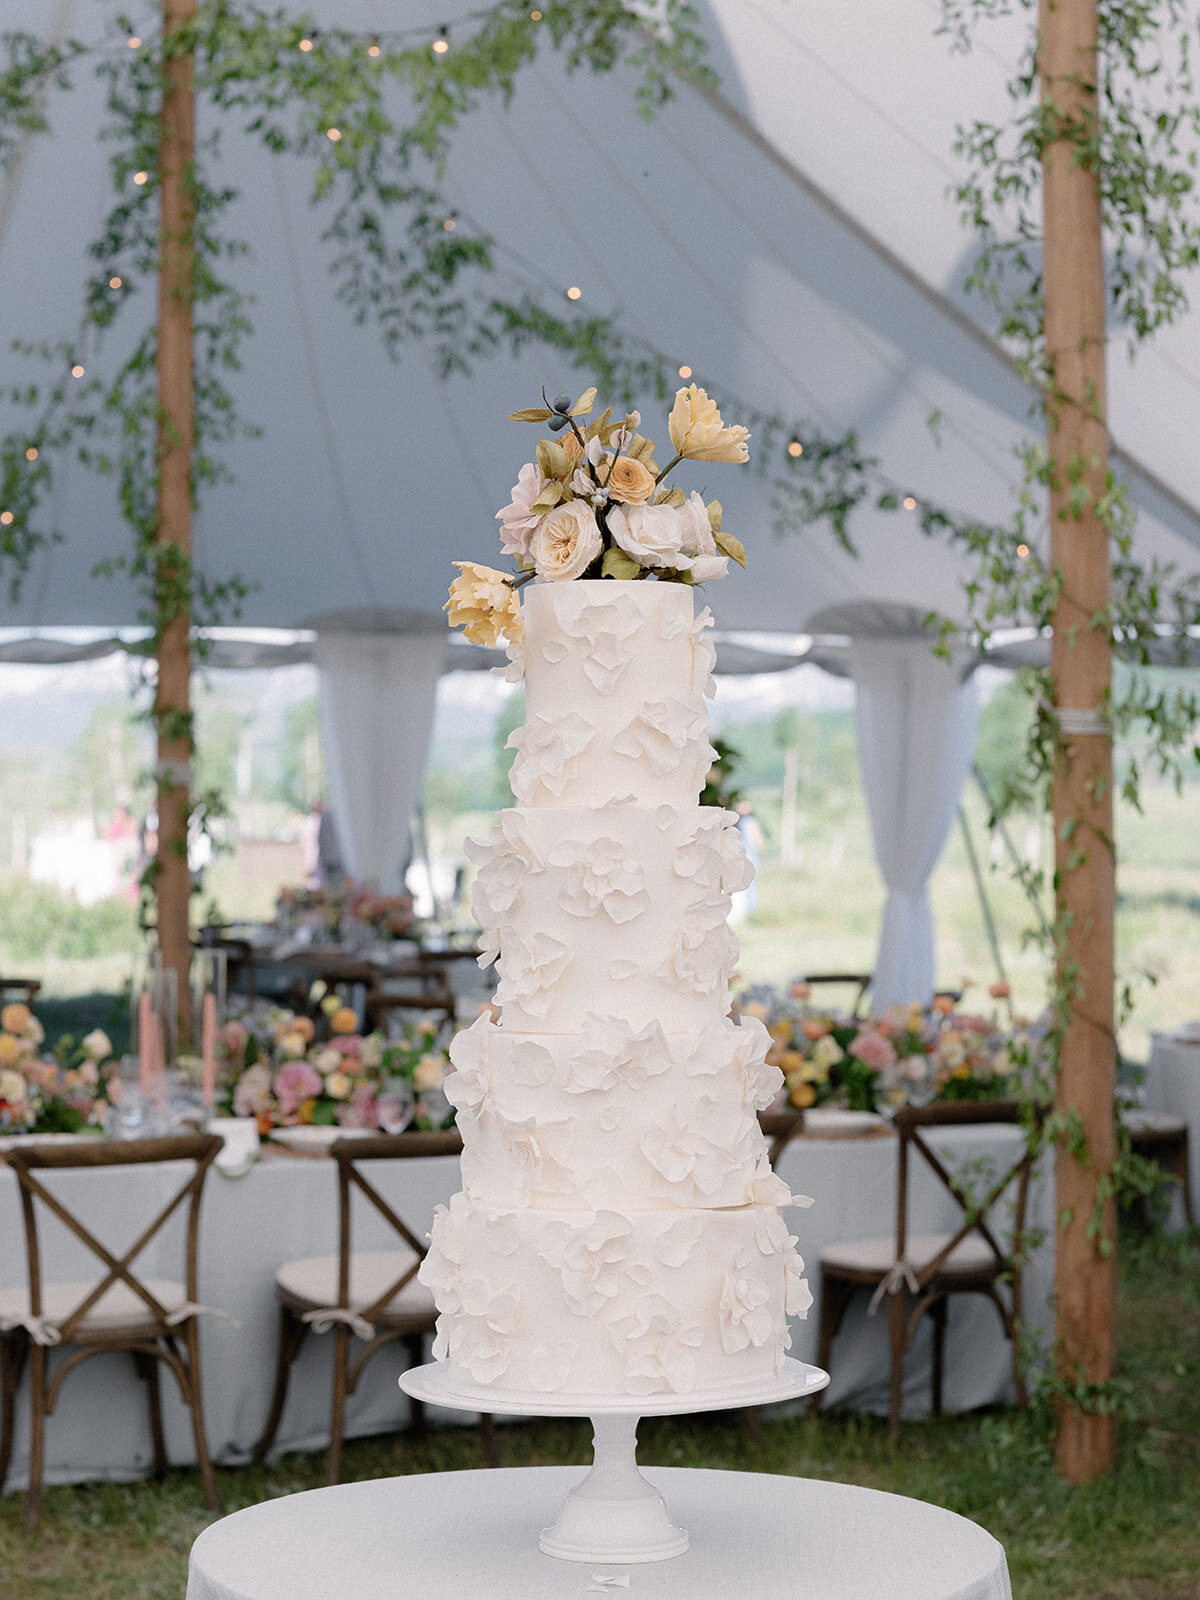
(285, 1207)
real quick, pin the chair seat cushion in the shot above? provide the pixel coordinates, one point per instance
(878, 1256)
(118, 1308)
(1165, 1124)
(314, 1280)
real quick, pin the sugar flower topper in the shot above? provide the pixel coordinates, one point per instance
(593, 505)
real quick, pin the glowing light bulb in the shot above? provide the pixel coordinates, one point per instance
(574, 292)
(450, 224)
(77, 370)
(334, 134)
(140, 178)
(306, 45)
(135, 43)
(535, 16)
(6, 518)
(442, 43)
(795, 448)
(909, 503)
(31, 454)
(373, 48)
(114, 282)
(685, 372)
(1022, 551)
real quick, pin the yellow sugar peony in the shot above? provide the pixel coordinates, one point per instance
(629, 482)
(484, 604)
(698, 433)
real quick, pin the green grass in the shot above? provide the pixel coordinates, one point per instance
(1134, 1536)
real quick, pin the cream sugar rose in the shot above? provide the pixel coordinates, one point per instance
(619, 1231)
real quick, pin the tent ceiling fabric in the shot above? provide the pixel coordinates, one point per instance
(791, 237)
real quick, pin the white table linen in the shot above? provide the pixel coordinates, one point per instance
(1172, 1084)
(285, 1208)
(752, 1534)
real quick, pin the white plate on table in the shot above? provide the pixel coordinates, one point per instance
(14, 1141)
(835, 1122)
(310, 1137)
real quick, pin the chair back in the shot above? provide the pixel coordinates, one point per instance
(432, 1000)
(780, 1127)
(912, 1124)
(861, 981)
(28, 1161)
(349, 1154)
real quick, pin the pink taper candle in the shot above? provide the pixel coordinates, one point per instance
(208, 1044)
(145, 1047)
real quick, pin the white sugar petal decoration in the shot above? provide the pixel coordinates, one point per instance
(664, 731)
(550, 1364)
(623, 968)
(665, 817)
(554, 651)
(529, 970)
(674, 1247)
(531, 1066)
(617, 800)
(548, 751)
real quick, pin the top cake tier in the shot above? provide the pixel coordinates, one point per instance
(615, 678)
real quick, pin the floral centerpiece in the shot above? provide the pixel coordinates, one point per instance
(273, 1067)
(340, 909)
(593, 505)
(66, 1092)
(908, 1055)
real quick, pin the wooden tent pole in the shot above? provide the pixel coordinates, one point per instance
(1081, 669)
(173, 532)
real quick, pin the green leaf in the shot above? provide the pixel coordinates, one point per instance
(533, 414)
(585, 402)
(617, 564)
(731, 547)
(553, 461)
(549, 497)
(714, 515)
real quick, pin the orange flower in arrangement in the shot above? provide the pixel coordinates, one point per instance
(344, 1020)
(801, 991)
(802, 1095)
(782, 1031)
(943, 1003)
(1000, 991)
(305, 1027)
(815, 1027)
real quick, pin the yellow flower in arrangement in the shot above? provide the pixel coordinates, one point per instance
(429, 1073)
(10, 1049)
(698, 433)
(629, 482)
(15, 1017)
(12, 1087)
(338, 1085)
(484, 604)
(802, 1095)
(344, 1020)
(566, 543)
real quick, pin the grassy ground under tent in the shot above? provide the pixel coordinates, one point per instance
(1135, 1536)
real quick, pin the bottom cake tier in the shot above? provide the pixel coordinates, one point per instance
(606, 1302)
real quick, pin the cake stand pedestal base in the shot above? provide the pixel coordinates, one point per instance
(613, 1516)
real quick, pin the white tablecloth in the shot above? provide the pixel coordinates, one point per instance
(1173, 1084)
(752, 1534)
(285, 1208)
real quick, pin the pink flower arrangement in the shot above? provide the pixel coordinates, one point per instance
(294, 1083)
(872, 1049)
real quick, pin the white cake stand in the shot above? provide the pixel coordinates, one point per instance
(613, 1516)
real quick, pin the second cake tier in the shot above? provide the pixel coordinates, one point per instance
(614, 1116)
(615, 911)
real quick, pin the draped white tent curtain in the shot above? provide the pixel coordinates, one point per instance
(917, 725)
(376, 693)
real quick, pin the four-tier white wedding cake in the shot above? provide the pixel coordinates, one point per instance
(619, 1229)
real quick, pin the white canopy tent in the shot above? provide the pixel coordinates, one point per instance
(789, 236)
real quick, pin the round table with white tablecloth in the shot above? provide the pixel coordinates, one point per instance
(285, 1207)
(1172, 1084)
(466, 1534)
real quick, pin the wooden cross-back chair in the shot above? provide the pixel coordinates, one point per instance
(152, 1318)
(434, 1000)
(860, 981)
(26, 990)
(916, 1274)
(373, 1296)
